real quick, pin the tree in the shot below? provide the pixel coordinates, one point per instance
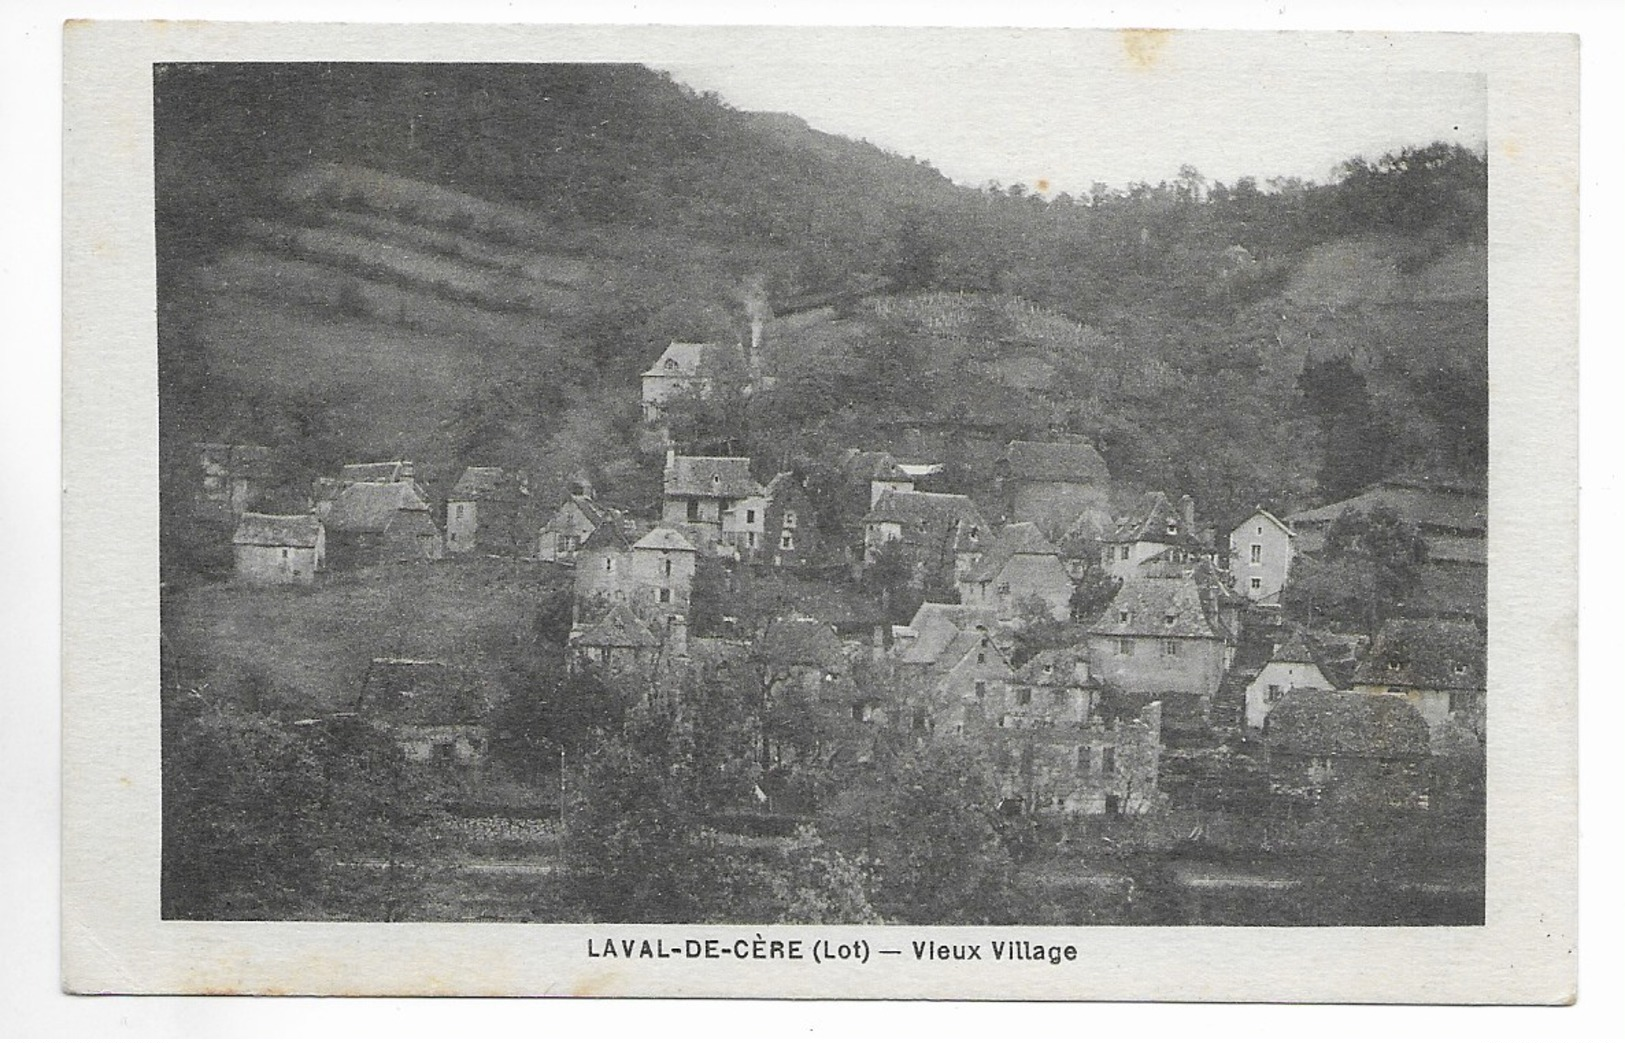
(1368, 570)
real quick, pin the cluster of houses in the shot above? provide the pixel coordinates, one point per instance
(1194, 636)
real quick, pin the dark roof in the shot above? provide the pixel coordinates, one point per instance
(1017, 538)
(418, 692)
(384, 471)
(800, 641)
(1054, 462)
(874, 466)
(1459, 591)
(1432, 654)
(277, 530)
(723, 477)
(1056, 666)
(1150, 519)
(1295, 649)
(936, 512)
(1450, 508)
(487, 483)
(665, 537)
(619, 628)
(1315, 723)
(374, 506)
(936, 625)
(1160, 607)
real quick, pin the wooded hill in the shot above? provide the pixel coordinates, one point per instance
(470, 264)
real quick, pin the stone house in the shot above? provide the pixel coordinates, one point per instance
(1153, 528)
(429, 709)
(1053, 689)
(801, 652)
(1052, 484)
(486, 512)
(617, 644)
(575, 523)
(941, 535)
(877, 472)
(967, 684)
(370, 522)
(789, 524)
(1292, 665)
(1372, 749)
(678, 371)
(715, 496)
(1435, 665)
(1021, 566)
(279, 548)
(1261, 550)
(927, 636)
(1165, 634)
(653, 577)
(1093, 768)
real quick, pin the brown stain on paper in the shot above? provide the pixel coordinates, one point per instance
(1144, 46)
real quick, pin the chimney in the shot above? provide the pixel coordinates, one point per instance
(1187, 514)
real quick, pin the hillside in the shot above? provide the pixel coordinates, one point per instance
(472, 264)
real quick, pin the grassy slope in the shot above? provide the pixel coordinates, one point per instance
(311, 646)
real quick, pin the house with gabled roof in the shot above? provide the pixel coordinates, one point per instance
(1435, 665)
(369, 522)
(618, 643)
(968, 684)
(679, 370)
(432, 710)
(713, 495)
(233, 476)
(1294, 664)
(1165, 634)
(653, 576)
(1372, 748)
(790, 534)
(579, 523)
(1261, 552)
(279, 548)
(878, 471)
(1153, 527)
(1052, 484)
(927, 636)
(1053, 689)
(1095, 767)
(1020, 568)
(940, 534)
(485, 512)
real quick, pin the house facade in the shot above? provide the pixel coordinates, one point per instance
(1097, 768)
(372, 522)
(789, 524)
(1052, 484)
(1261, 550)
(939, 534)
(428, 708)
(618, 644)
(567, 532)
(680, 370)
(279, 548)
(232, 477)
(1021, 568)
(1293, 665)
(1164, 634)
(485, 512)
(1434, 665)
(709, 494)
(1331, 745)
(1153, 528)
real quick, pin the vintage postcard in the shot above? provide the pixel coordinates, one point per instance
(812, 512)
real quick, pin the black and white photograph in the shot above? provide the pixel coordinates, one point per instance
(588, 496)
(846, 503)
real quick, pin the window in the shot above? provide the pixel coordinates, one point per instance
(1125, 552)
(1257, 552)
(1168, 618)
(671, 363)
(1106, 556)
(1275, 692)
(918, 720)
(1261, 530)
(1460, 669)
(284, 552)
(666, 566)
(981, 689)
(789, 519)
(1255, 584)
(1004, 588)
(750, 539)
(1173, 528)
(750, 517)
(1125, 646)
(974, 532)
(1124, 616)
(1170, 647)
(609, 564)
(787, 542)
(716, 479)
(981, 658)
(1396, 664)
(1024, 696)
(665, 595)
(1461, 702)
(1108, 760)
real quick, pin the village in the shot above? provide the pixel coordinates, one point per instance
(1123, 667)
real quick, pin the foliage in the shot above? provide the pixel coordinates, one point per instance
(1367, 571)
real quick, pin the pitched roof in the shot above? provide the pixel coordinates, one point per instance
(1259, 512)
(487, 483)
(930, 512)
(723, 477)
(1295, 649)
(421, 692)
(619, 628)
(385, 471)
(875, 466)
(680, 359)
(1436, 654)
(1316, 723)
(1017, 538)
(1160, 607)
(1056, 666)
(373, 506)
(1149, 520)
(277, 530)
(936, 625)
(1054, 462)
(664, 537)
(1450, 508)
(801, 641)
(969, 641)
